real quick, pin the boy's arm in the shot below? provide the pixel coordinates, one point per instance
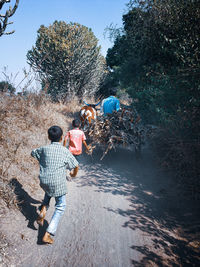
(65, 140)
(88, 147)
(74, 172)
(36, 153)
(72, 164)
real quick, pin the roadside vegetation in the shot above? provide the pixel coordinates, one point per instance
(156, 59)
(154, 64)
(24, 121)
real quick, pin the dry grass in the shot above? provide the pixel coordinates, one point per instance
(24, 122)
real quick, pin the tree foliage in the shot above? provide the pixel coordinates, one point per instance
(157, 60)
(157, 57)
(5, 17)
(68, 58)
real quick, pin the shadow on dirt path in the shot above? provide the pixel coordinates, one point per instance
(157, 208)
(121, 211)
(28, 210)
(25, 202)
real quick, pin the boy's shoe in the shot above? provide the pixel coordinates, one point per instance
(47, 238)
(40, 219)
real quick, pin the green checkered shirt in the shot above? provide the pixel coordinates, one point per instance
(54, 159)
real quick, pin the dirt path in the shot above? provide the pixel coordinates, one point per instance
(121, 212)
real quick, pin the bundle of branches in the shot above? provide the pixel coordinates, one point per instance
(122, 127)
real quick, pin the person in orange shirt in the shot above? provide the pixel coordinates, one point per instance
(76, 139)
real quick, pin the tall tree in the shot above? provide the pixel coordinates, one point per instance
(68, 57)
(4, 17)
(157, 56)
(157, 59)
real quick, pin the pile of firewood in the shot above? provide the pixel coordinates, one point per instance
(122, 127)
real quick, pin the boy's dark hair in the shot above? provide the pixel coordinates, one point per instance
(55, 133)
(76, 123)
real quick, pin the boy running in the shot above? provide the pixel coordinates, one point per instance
(76, 139)
(54, 159)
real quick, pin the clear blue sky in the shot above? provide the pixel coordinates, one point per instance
(95, 14)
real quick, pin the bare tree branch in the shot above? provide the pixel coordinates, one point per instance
(4, 18)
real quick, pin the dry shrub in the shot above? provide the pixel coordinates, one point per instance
(24, 121)
(71, 107)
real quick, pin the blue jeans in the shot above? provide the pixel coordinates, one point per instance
(59, 210)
